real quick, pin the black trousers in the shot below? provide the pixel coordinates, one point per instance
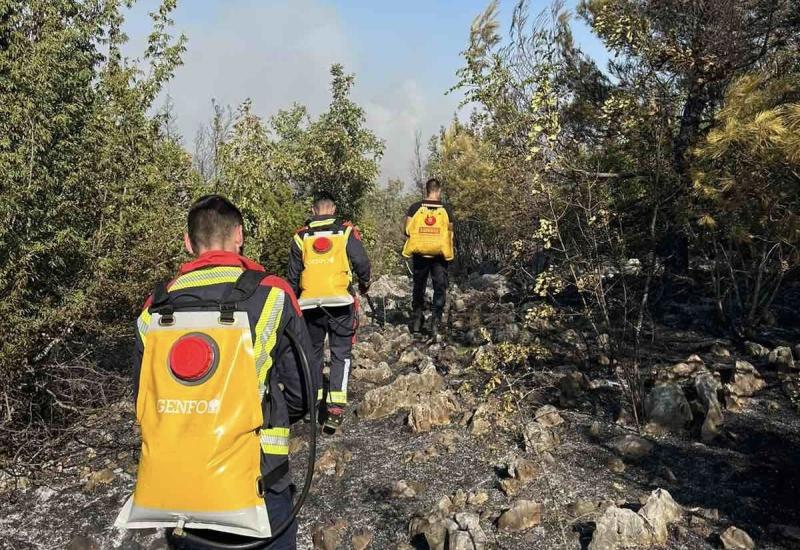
(436, 267)
(339, 325)
(279, 507)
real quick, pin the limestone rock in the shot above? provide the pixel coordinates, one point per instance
(616, 465)
(378, 375)
(782, 357)
(467, 533)
(362, 539)
(631, 446)
(734, 538)
(98, 478)
(405, 392)
(477, 499)
(522, 469)
(328, 536)
(660, 510)
(707, 387)
(756, 350)
(510, 486)
(436, 410)
(479, 422)
(411, 357)
(619, 528)
(548, 416)
(745, 383)
(719, 350)
(667, 408)
(586, 507)
(406, 489)
(432, 527)
(459, 540)
(333, 461)
(540, 439)
(390, 287)
(524, 514)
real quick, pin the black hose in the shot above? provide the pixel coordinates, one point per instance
(312, 453)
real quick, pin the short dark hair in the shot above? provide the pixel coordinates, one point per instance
(211, 219)
(432, 186)
(323, 198)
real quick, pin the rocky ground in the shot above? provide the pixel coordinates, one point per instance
(508, 433)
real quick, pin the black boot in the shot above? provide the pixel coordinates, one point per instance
(418, 317)
(436, 323)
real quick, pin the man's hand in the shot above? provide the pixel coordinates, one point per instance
(363, 287)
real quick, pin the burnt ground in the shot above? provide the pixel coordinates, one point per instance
(749, 477)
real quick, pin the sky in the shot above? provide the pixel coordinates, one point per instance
(404, 53)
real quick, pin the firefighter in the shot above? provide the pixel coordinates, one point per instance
(429, 243)
(215, 424)
(326, 258)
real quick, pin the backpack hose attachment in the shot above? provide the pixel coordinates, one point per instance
(300, 354)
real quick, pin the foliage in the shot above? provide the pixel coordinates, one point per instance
(247, 175)
(94, 195)
(335, 153)
(382, 228)
(748, 194)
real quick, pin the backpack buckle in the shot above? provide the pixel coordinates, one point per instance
(226, 314)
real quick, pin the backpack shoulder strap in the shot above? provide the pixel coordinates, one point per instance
(245, 286)
(161, 303)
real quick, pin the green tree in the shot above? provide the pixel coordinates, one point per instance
(249, 177)
(339, 154)
(94, 196)
(747, 195)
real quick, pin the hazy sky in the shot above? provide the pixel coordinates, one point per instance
(404, 53)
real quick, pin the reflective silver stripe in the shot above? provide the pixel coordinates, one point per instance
(346, 375)
(203, 277)
(266, 332)
(274, 440)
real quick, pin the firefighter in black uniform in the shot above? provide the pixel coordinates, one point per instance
(326, 258)
(270, 309)
(429, 231)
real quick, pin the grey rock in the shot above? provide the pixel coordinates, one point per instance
(782, 357)
(707, 387)
(548, 416)
(756, 350)
(734, 538)
(667, 408)
(522, 515)
(620, 527)
(631, 446)
(746, 381)
(539, 439)
(660, 511)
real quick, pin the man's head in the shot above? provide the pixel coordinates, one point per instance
(433, 189)
(214, 223)
(323, 205)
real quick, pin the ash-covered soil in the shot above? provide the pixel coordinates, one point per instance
(447, 436)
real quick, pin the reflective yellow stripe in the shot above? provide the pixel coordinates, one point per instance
(319, 394)
(319, 223)
(337, 397)
(298, 241)
(274, 441)
(142, 323)
(206, 277)
(267, 335)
